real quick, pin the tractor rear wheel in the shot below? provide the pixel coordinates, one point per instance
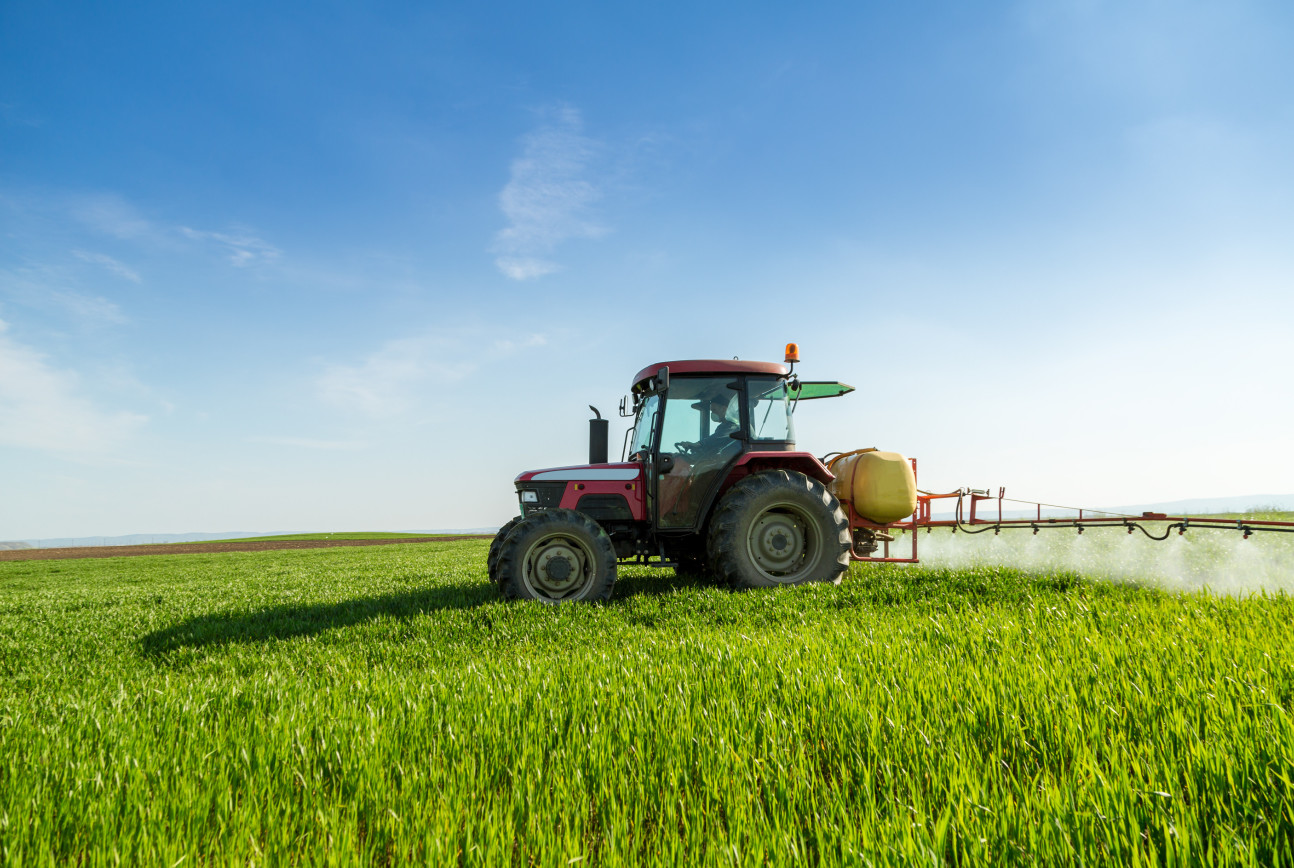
(492, 560)
(557, 556)
(776, 528)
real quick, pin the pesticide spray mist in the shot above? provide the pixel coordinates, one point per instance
(1220, 561)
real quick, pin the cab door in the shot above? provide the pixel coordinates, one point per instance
(700, 436)
(645, 447)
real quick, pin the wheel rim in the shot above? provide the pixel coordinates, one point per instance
(557, 567)
(783, 543)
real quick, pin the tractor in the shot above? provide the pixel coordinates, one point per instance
(710, 482)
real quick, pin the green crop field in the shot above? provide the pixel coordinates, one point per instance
(380, 705)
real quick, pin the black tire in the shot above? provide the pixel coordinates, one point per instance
(776, 528)
(557, 556)
(492, 560)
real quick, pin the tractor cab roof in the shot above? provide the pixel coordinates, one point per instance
(711, 366)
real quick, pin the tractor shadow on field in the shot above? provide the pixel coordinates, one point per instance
(294, 621)
(628, 587)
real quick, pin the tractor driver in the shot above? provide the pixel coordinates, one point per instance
(723, 413)
(702, 460)
(725, 418)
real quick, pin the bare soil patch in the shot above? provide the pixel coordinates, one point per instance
(200, 548)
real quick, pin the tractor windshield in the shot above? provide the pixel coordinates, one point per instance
(645, 424)
(770, 412)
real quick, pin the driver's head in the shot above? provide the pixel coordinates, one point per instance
(718, 408)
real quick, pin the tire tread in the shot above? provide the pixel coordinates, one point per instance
(508, 568)
(726, 525)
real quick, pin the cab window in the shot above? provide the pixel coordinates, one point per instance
(770, 411)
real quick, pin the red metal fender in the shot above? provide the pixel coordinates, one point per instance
(805, 462)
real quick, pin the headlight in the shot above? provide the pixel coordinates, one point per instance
(530, 497)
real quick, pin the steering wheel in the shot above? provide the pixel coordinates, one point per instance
(684, 447)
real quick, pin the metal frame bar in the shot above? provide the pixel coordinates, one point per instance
(966, 518)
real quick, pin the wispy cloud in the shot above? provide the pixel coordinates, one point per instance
(242, 248)
(548, 198)
(1150, 48)
(42, 287)
(94, 308)
(43, 408)
(393, 379)
(385, 382)
(507, 346)
(109, 263)
(12, 115)
(109, 214)
(309, 443)
(82, 220)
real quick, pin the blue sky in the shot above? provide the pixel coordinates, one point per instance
(337, 267)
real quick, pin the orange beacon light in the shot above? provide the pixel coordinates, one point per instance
(792, 353)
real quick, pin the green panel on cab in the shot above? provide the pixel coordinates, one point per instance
(819, 390)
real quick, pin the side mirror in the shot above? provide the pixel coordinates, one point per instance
(625, 412)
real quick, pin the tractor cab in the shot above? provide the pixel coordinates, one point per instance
(695, 424)
(700, 428)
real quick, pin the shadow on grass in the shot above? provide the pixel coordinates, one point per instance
(871, 586)
(297, 620)
(293, 621)
(665, 582)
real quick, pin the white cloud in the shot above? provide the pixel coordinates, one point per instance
(43, 408)
(525, 268)
(548, 198)
(384, 383)
(43, 218)
(109, 263)
(398, 375)
(242, 248)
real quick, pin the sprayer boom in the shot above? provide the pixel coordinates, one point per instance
(968, 516)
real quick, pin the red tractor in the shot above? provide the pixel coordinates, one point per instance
(711, 482)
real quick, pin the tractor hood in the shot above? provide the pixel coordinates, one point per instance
(604, 492)
(618, 472)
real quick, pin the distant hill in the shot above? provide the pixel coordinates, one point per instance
(1206, 505)
(143, 539)
(135, 539)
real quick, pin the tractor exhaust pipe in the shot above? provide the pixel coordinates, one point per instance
(598, 437)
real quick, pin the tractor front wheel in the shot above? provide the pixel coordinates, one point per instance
(776, 528)
(557, 556)
(492, 560)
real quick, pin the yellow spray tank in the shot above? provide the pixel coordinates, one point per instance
(880, 485)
